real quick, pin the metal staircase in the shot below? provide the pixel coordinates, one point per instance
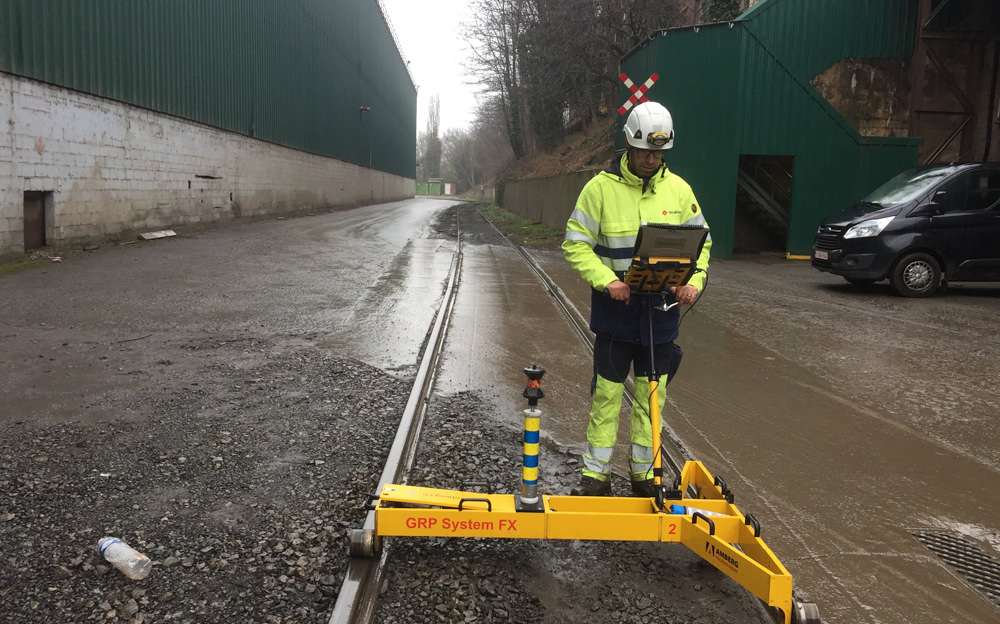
(763, 197)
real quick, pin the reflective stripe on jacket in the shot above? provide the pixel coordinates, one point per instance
(600, 236)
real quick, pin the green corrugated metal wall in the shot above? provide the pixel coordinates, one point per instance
(743, 88)
(698, 84)
(292, 73)
(809, 36)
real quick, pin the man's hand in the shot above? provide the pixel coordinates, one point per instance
(619, 291)
(685, 295)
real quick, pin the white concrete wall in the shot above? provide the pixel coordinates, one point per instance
(115, 169)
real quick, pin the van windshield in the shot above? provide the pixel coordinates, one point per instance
(907, 185)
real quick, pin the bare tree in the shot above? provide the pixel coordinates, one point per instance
(430, 141)
(719, 10)
(492, 147)
(473, 156)
(627, 23)
(553, 64)
(459, 158)
(493, 37)
(554, 52)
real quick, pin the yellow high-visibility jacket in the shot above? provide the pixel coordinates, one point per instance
(600, 237)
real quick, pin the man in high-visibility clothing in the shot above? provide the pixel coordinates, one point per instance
(600, 236)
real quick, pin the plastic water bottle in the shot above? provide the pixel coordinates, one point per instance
(681, 510)
(132, 563)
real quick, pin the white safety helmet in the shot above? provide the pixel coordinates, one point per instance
(649, 126)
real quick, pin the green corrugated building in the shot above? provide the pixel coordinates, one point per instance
(123, 115)
(763, 149)
(293, 73)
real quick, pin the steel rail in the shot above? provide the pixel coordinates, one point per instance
(675, 454)
(359, 590)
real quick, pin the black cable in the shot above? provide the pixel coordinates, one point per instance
(701, 292)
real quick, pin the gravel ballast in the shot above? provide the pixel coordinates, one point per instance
(240, 485)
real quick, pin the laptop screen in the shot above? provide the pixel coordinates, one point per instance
(659, 240)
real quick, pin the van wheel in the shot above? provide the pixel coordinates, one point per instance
(916, 275)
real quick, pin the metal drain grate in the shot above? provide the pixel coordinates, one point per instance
(968, 559)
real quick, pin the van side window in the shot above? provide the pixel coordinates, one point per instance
(985, 190)
(954, 194)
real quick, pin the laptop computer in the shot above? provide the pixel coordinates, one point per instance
(665, 255)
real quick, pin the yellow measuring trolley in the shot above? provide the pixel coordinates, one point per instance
(698, 511)
(709, 525)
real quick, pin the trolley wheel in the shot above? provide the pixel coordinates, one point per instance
(363, 543)
(805, 613)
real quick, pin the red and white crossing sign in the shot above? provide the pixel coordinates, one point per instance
(638, 93)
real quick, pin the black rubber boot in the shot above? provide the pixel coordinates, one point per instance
(589, 486)
(644, 489)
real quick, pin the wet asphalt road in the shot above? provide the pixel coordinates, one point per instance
(845, 420)
(855, 419)
(374, 272)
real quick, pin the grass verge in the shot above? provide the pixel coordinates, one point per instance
(522, 231)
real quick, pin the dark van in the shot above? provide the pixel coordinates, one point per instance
(925, 227)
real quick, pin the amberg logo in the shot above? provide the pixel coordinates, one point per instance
(721, 554)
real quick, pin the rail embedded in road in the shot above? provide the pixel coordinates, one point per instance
(356, 598)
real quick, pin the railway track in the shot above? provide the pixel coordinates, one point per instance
(356, 599)
(356, 602)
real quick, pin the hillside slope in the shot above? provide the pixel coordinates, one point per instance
(589, 148)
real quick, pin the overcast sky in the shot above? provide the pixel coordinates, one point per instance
(430, 33)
